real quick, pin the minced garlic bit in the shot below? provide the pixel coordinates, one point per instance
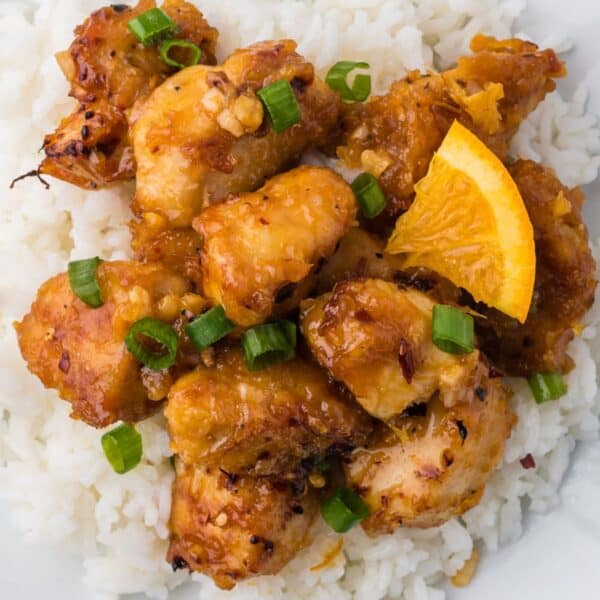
(317, 480)
(221, 520)
(249, 111)
(168, 307)
(375, 162)
(464, 576)
(561, 205)
(193, 302)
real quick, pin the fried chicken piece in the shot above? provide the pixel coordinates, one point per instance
(359, 254)
(262, 423)
(395, 136)
(289, 226)
(109, 70)
(564, 285)
(203, 134)
(233, 528)
(79, 350)
(436, 462)
(376, 339)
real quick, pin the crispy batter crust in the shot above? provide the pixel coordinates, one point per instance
(109, 70)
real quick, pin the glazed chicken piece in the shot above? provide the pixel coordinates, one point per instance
(491, 92)
(263, 423)
(79, 350)
(376, 339)
(109, 70)
(436, 461)
(359, 255)
(232, 528)
(289, 226)
(564, 286)
(203, 134)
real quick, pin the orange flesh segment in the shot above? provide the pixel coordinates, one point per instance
(469, 223)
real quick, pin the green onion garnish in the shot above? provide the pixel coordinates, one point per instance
(369, 195)
(159, 333)
(209, 328)
(337, 80)
(123, 448)
(152, 27)
(165, 48)
(268, 344)
(281, 104)
(547, 386)
(344, 510)
(453, 330)
(83, 282)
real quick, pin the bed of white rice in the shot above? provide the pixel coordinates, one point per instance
(52, 470)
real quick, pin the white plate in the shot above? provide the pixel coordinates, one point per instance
(558, 556)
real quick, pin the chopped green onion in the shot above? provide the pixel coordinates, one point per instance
(152, 27)
(344, 510)
(123, 448)
(83, 282)
(453, 330)
(337, 80)
(160, 333)
(209, 328)
(281, 104)
(165, 48)
(369, 195)
(269, 344)
(547, 386)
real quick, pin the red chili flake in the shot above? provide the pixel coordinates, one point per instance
(64, 364)
(528, 462)
(406, 360)
(363, 316)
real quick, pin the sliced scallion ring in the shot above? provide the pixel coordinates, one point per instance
(152, 27)
(281, 104)
(369, 195)
(344, 510)
(167, 45)
(453, 331)
(123, 448)
(160, 334)
(337, 77)
(547, 386)
(209, 328)
(83, 282)
(269, 344)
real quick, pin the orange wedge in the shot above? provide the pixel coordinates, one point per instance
(469, 223)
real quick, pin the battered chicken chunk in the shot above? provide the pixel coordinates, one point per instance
(109, 70)
(80, 351)
(359, 254)
(261, 422)
(376, 339)
(203, 134)
(289, 226)
(491, 92)
(564, 286)
(436, 462)
(232, 528)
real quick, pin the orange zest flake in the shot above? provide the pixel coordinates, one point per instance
(466, 573)
(329, 556)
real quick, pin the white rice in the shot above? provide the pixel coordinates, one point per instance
(52, 469)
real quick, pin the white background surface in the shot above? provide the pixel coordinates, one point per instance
(559, 555)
